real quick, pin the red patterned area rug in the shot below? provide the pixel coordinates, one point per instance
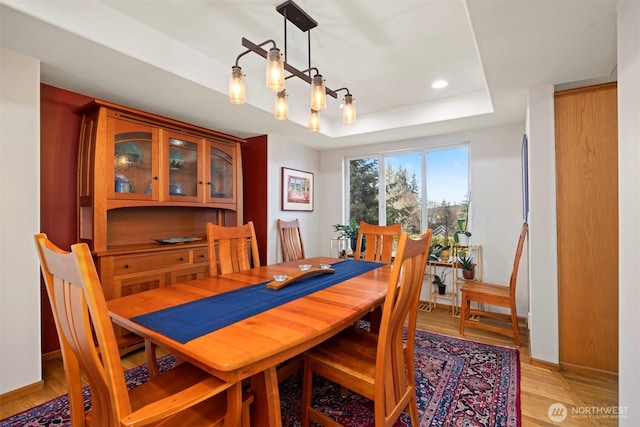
(458, 383)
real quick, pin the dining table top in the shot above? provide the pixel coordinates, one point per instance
(260, 342)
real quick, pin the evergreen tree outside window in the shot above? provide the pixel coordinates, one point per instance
(364, 176)
(419, 189)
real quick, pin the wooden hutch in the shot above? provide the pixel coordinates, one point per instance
(146, 182)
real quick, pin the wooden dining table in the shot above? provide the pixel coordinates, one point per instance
(252, 347)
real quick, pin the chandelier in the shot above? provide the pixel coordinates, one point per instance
(275, 74)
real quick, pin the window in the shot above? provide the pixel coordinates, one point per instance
(419, 189)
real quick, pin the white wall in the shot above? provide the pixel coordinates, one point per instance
(20, 363)
(496, 179)
(543, 282)
(629, 209)
(283, 152)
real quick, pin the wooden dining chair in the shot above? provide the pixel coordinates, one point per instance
(184, 395)
(232, 248)
(292, 249)
(290, 240)
(374, 365)
(496, 295)
(378, 241)
(378, 246)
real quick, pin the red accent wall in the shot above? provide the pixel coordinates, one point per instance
(59, 133)
(254, 172)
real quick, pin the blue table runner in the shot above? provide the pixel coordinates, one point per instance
(194, 319)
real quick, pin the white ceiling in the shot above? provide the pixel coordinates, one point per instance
(174, 57)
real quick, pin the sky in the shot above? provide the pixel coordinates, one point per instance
(447, 172)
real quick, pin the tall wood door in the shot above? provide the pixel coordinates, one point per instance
(587, 213)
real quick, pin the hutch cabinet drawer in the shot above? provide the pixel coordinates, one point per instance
(200, 256)
(158, 261)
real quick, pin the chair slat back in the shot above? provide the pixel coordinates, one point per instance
(516, 262)
(392, 385)
(290, 240)
(413, 313)
(80, 313)
(232, 248)
(378, 241)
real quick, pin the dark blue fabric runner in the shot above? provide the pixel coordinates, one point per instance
(191, 320)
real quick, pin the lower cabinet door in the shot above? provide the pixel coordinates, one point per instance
(132, 285)
(184, 275)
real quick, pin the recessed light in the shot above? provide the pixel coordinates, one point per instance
(439, 84)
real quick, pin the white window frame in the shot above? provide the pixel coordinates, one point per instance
(381, 156)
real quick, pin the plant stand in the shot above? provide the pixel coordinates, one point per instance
(454, 280)
(433, 267)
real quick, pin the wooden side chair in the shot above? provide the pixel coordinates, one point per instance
(492, 294)
(290, 240)
(378, 246)
(292, 249)
(185, 395)
(232, 248)
(378, 241)
(374, 365)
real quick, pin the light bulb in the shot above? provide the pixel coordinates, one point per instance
(275, 71)
(318, 93)
(314, 121)
(281, 110)
(349, 110)
(237, 89)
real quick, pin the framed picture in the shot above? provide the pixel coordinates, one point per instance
(297, 190)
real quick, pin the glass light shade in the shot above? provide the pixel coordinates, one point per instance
(349, 110)
(318, 93)
(281, 110)
(275, 71)
(314, 121)
(237, 89)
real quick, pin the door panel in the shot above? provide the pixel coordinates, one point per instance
(587, 213)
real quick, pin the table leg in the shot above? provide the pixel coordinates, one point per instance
(375, 317)
(265, 409)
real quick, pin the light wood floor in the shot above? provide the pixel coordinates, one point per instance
(540, 387)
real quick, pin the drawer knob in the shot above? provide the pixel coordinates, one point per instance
(200, 182)
(155, 177)
(126, 266)
(181, 258)
(201, 255)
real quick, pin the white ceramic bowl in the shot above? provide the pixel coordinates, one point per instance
(304, 267)
(279, 277)
(325, 266)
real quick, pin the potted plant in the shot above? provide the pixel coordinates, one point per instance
(441, 282)
(467, 265)
(438, 252)
(434, 252)
(445, 253)
(349, 231)
(461, 236)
